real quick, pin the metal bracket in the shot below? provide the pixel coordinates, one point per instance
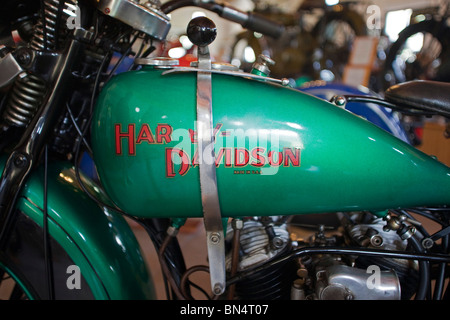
(11, 68)
(284, 82)
(208, 183)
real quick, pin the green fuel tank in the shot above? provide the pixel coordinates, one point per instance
(278, 151)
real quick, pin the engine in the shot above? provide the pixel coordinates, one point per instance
(318, 276)
(262, 240)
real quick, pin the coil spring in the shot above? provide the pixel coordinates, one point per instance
(48, 40)
(24, 100)
(28, 91)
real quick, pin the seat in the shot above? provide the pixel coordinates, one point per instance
(432, 97)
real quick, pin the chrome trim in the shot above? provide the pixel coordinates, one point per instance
(215, 236)
(10, 70)
(223, 66)
(157, 62)
(283, 82)
(146, 19)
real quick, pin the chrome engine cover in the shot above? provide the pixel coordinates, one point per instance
(341, 282)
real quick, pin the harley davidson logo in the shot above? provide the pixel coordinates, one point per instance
(243, 160)
(233, 157)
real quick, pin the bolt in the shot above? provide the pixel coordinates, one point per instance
(376, 241)
(277, 242)
(23, 56)
(152, 4)
(427, 243)
(214, 238)
(285, 82)
(20, 161)
(340, 101)
(218, 289)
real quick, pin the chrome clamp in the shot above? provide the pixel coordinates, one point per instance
(205, 143)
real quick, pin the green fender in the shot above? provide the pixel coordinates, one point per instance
(100, 242)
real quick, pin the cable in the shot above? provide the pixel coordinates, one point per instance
(103, 64)
(422, 212)
(47, 246)
(424, 269)
(185, 281)
(165, 268)
(77, 128)
(440, 281)
(344, 251)
(124, 55)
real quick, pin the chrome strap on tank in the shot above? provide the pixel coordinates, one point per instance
(201, 31)
(208, 182)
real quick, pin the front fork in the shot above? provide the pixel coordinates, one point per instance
(27, 152)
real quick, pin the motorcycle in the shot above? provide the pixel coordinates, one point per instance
(251, 156)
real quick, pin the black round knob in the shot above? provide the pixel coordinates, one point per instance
(201, 31)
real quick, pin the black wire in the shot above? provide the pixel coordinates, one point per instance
(105, 60)
(141, 48)
(424, 270)
(185, 282)
(165, 267)
(83, 133)
(424, 283)
(343, 251)
(418, 227)
(386, 104)
(170, 255)
(77, 128)
(203, 291)
(96, 84)
(124, 55)
(170, 6)
(430, 216)
(47, 247)
(440, 281)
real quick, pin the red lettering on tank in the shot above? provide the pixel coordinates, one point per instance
(241, 157)
(145, 134)
(163, 132)
(292, 156)
(170, 164)
(129, 135)
(275, 158)
(224, 153)
(178, 161)
(258, 155)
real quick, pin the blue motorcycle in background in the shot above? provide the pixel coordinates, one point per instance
(380, 116)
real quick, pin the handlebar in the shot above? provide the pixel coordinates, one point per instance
(248, 20)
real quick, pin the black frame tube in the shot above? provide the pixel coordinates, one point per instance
(29, 149)
(431, 257)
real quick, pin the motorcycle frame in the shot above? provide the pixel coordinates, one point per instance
(99, 254)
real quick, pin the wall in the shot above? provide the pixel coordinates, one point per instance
(434, 143)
